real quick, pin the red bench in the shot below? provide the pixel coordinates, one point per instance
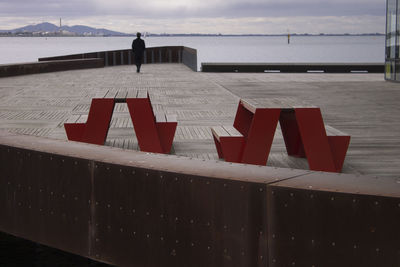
(154, 131)
(302, 127)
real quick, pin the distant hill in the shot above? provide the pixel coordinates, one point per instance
(77, 29)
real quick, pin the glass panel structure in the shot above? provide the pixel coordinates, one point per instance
(392, 60)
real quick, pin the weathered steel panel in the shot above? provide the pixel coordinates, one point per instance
(334, 220)
(152, 218)
(44, 197)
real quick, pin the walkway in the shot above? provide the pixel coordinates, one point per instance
(363, 105)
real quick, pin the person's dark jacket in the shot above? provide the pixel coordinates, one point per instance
(138, 47)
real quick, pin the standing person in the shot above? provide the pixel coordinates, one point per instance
(138, 47)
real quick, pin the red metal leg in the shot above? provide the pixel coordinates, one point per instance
(75, 131)
(339, 146)
(232, 148)
(219, 148)
(260, 136)
(291, 134)
(313, 135)
(98, 121)
(166, 133)
(145, 126)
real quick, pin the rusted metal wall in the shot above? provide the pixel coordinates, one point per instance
(138, 209)
(165, 54)
(294, 67)
(57, 65)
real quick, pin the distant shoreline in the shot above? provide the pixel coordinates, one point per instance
(191, 35)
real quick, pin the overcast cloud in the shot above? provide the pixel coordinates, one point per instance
(202, 16)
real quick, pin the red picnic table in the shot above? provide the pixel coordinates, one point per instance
(155, 131)
(305, 135)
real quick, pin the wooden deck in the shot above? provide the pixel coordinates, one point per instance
(362, 105)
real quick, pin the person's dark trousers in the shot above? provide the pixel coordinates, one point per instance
(138, 62)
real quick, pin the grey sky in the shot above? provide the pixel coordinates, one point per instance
(202, 16)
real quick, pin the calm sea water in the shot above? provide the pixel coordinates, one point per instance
(210, 49)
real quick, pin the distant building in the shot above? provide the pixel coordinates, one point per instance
(392, 57)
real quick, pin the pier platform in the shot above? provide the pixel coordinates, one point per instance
(362, 105)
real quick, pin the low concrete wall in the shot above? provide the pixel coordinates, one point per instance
(131, 208)
(49, 66)
(294, 67)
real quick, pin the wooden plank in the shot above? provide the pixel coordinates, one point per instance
(171, 117)
(142, 94)
(82, 119)
(101, 94)
(334, 132)
(160, 117)
(121, 96)
(232, 131)
(132, 93)
(219, 131)
(111, 94)
(73, 119)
